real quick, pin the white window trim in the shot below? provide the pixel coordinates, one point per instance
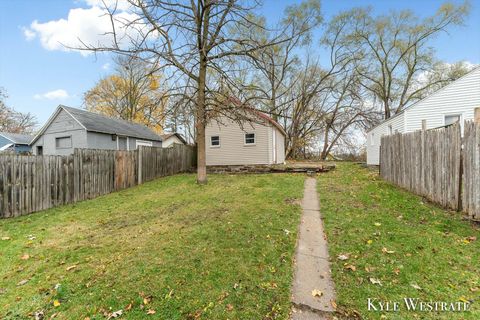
(63, 137)
(372, 139)
(219, 141)
(245, 139)
(144, 143)
(460, 117)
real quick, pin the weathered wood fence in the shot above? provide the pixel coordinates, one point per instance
(437, 164)
(34, 183)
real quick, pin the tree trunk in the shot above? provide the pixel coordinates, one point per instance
(200, 125)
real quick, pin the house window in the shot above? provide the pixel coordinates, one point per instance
(63, 142)
(215, 141)
(249, 138)
(451, 119)
(390, 129)
(372, 139)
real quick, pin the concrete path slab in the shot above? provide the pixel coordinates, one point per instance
(312, 268)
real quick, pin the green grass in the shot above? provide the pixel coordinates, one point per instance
(185, 251)
(431, 247)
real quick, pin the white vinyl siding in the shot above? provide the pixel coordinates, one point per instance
(458, 98)
(234, 149)
(374, 137)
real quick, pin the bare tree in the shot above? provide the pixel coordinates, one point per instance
(14, 121)
(395, 51)
(190, 39)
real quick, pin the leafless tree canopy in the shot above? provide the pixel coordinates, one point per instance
(14, 121)
(219, 57)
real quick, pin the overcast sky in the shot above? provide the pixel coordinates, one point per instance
(39, 73)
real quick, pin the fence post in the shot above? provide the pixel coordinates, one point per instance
(476, 117)
(140, 164)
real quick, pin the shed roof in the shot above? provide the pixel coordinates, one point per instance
(100, 123)
(95, 122)
(165, 136)
(17, 138)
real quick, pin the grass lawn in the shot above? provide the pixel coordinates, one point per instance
(168, 249)
(413, 248)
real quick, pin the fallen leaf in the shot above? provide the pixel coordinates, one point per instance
(415, 286)
(56, 303)
(39, 315)
(385, 250)
(71, 267)
(377, 224)
(396, 271)
(334, 304)
(463, 299)
(474, 289)
(128, 307)
(351, 267)
(317, 293)
(343, 257)
(369, 241)
(116, 314)
(25, 257)
(229, 307)
(146, 300)
(21, 283)
(375, 281)
(5, 238)
(151, 311)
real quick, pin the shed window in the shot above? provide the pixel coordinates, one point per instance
(451, 119)
(143, 143)
(249, 138)
(63, 142)
(215, 141)
(390, 129)
(372, 139)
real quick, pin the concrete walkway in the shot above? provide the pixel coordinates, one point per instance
(312, 269)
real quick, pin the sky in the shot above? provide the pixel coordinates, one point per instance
(39, 73)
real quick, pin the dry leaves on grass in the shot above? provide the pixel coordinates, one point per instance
(385, 250)
(71, 267)
(151, 311)
(415, 286)
(375, 281)
(350, 267)
(23, 282)
(6, 238)
(343, 256)
(115, 314)
(25, 257)
(229, 307)
(56, 303)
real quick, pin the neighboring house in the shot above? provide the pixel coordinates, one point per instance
(455, 102)
(19, 143)
(70, 128)
(257, 142)
(169, 139)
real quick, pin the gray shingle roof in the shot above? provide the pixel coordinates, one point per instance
(100, 123)
(17, 138)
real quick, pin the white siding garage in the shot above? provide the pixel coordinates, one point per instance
(229, 143)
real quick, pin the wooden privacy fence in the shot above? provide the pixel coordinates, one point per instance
(438, 164)
(34, 183)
